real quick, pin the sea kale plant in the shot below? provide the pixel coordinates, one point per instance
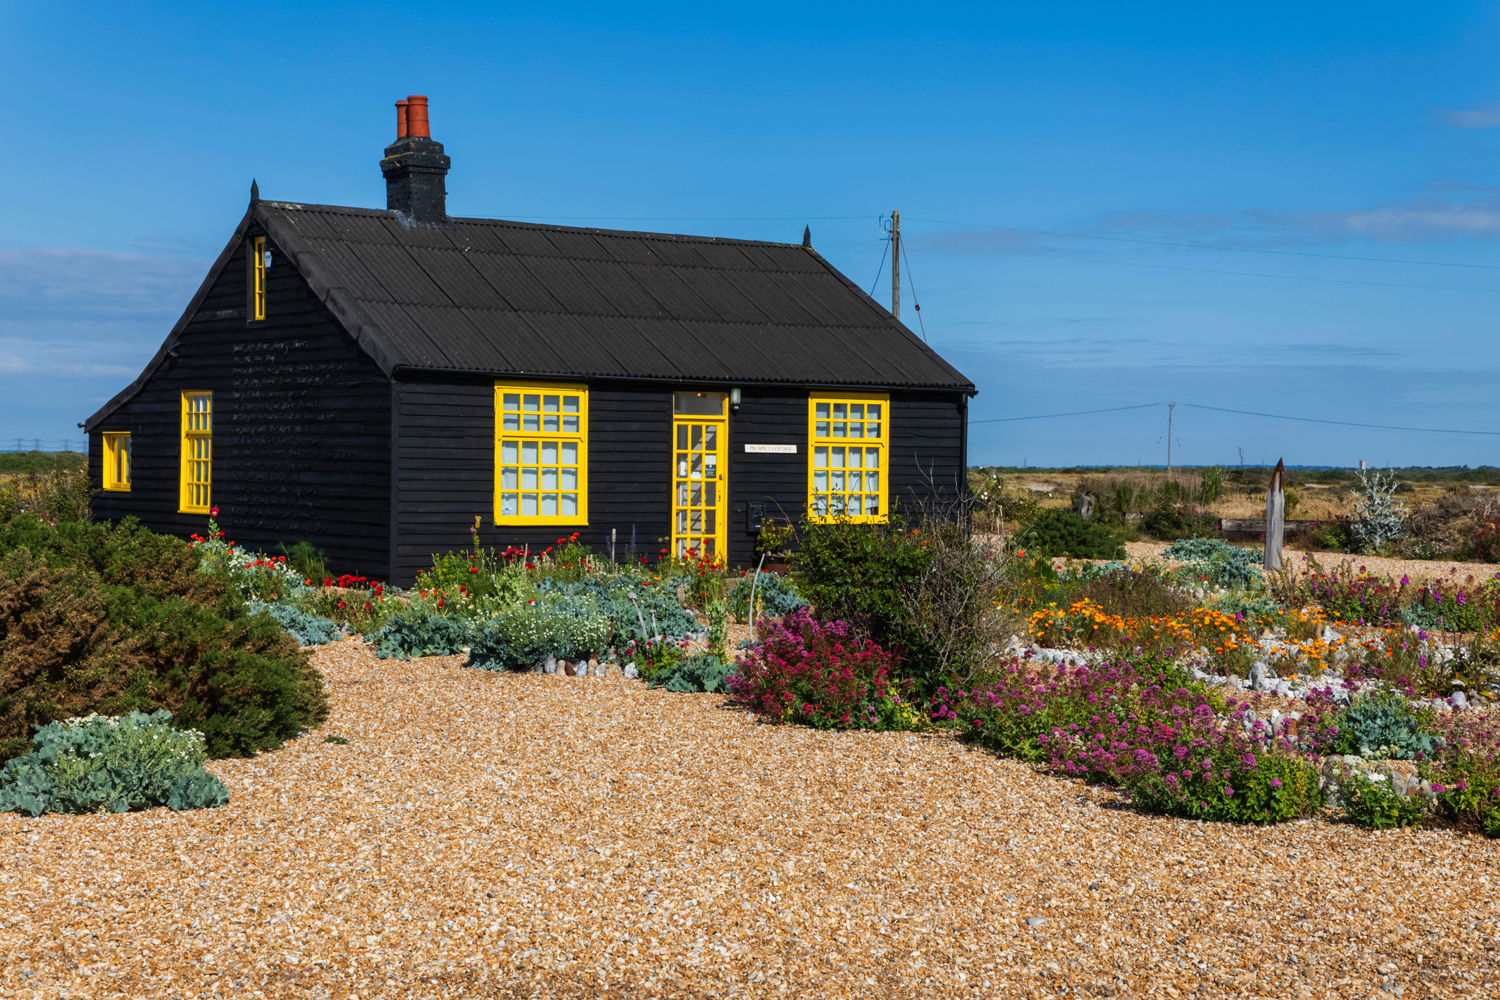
(1379, 518)
(111, 764)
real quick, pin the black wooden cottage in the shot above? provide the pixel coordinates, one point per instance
(374, 382)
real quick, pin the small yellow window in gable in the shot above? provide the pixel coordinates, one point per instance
(197, 451)
(117, 460)
(541, 454)
(258, 257)
(846, 475)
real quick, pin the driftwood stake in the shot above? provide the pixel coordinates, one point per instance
(1275, 516)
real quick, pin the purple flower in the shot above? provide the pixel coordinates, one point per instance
(1406, 579)
(1275, 782)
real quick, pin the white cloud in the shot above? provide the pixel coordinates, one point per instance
(1485, 114)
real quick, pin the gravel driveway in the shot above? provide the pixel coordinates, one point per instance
(497, 835)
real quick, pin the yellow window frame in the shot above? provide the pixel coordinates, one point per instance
(258, 278)
(196, 477)
(541, 454)
(117, 461)
(833, 468)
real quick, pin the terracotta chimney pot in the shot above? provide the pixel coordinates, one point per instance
(417, 125)
(401, 119)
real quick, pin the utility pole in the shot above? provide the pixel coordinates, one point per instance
(896, 263)
(1169, 437)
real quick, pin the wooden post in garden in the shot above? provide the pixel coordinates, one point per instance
(1275, 516)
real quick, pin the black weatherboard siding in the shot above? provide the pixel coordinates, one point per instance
(360, 414)
(301, 421)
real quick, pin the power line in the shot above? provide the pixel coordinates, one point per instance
(1341, 423)
(678, 218)
(1075, 413)
(1208, 246)
(915, 304)
(1243, 274)
(880, 267)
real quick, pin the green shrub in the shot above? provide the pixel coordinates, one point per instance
(1168, 521)
(41, 461)
(703, 673)
(774, 595)
(1331, 536)
(57, 494)
(657, 605)
(859, 573)
(419, 629)
(308, 630)
(1059, 534)
(1280, 787)
(1136, 593)
(1383, 725)
(308, 560)
(1372, 802)
(523, 635)
(103, 764)
(1218, 562)
(101, 619)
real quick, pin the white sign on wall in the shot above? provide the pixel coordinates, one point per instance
(771, 449)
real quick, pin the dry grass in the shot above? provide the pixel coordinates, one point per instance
(492, 835)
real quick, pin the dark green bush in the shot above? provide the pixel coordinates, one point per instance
(1136, 594)
(703, 673)
(308, 560)
(1330, 536)
(100, 619)
(1057, 534)
(103, 764)
(1168, 521)
(858, 573)
(41, 461)
(419, 629)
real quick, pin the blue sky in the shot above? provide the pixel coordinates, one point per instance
(1296, 137)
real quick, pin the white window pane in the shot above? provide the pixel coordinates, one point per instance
(528, 452)
(531, 422)
(820, 505)
(840, 430)
(872, 480)
(549, 504)
(528, 478)
(569, 479)
(528, 505)
(570, 425)
(856, 430)
(549, 404)
(840, 411)
(533, 402)
(549, 424)
(872, 430)
(570, 505)
(820, 482)
(836, 481)
(855, 481)
(512, 401)
(855, 454)
(872, 411)
(856, 411)
(822, 430)
(568, 455)
(820, 458)
(549, 452)
(570, 404)
(713, 464)
(856, 508)
(821, 409)
(549, 478)
(510, 478)
(872, 458)
(836, 504)
(510, 452)
(837, 455)
(508, 504)
(511, 422)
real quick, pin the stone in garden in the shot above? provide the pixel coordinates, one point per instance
(1085, 506)
(1459, 700)
(1035, 921)
(631, 672)
(1284, 689)
(567, 668)
(1329, 635)
(550, 664)
(594, 668)
(1262, 677)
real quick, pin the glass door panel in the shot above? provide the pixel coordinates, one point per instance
(698, 499)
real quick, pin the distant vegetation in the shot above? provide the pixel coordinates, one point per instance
(12, 462)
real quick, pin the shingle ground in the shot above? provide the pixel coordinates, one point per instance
(500, 835)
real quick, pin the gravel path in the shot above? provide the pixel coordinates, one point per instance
(1417, 569)
(497, 835)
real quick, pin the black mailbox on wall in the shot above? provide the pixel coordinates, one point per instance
(755, 513)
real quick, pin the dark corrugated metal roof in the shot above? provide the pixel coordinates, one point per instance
(496, 296)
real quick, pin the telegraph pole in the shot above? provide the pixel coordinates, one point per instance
(1169, 437)
(896, 263)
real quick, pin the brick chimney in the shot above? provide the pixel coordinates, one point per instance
(415, 168)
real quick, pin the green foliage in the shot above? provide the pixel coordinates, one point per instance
(1213, 483)
(658, 607)
(1372, 802)
(858, 573)
(775, 597)
(1135, 593)
(1281, 787)
(107, 619)
(1379, 518)
(41, 461)
(718, 624)
(520, 636)
(308, 560)
(308, 630)
(1170, 520)
(1218, 562)
(704, 673)
(1331, 536)
(1063, 534)
(59, 494)
(104, 764)
(488, 580)
(1383, 725)
(419, 629)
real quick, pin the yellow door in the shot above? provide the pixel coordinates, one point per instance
(699, 429)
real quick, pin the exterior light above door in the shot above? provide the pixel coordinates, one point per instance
(734, 400)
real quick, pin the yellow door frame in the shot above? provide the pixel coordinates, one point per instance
(700, 502)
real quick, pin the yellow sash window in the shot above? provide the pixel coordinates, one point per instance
(541, 454)
(117, 461)
(197, 451)
(846, 473)
(258, 278)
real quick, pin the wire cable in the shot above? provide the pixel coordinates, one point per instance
(1243, 274)
(1075, 413)
(1208, 246)
(1341, 423)
(915, 304)
(880, 267)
